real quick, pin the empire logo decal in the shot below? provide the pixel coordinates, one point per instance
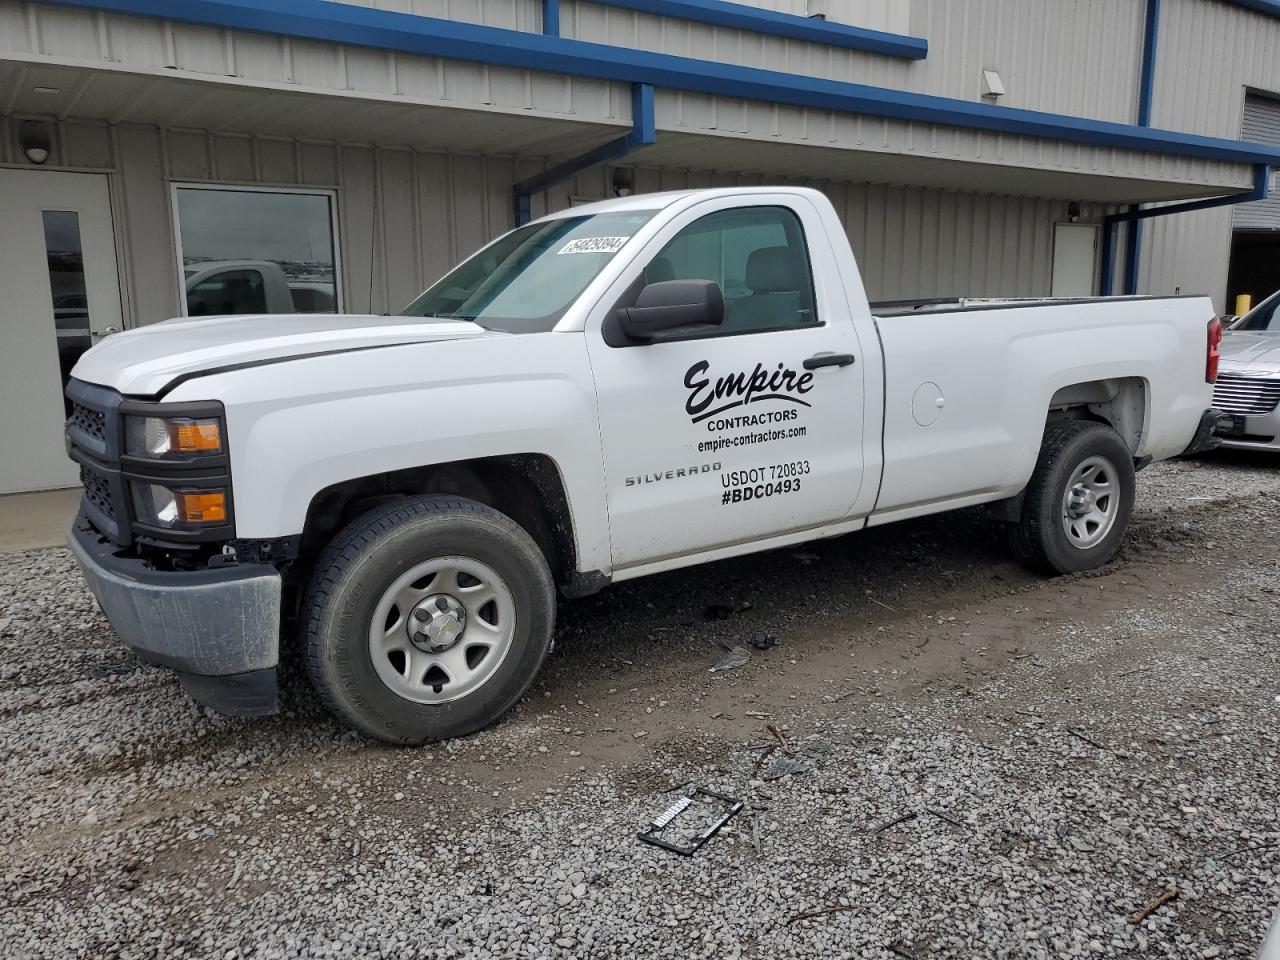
(706, 399)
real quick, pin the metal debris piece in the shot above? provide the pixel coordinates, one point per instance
(893, 823)
(737, 657)
(764, 641)
(786, 766)
(652, 834)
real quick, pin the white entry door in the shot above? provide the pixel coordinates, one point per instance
(1075, 258)
(61, 293)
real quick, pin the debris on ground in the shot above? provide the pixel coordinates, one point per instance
(1170, 893)
(785, 767)
(726, 807)
(764, 641)
(736, 657)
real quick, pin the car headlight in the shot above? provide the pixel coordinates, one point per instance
(158, 505)
(173, 438)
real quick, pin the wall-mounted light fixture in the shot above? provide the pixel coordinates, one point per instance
(33, 137)
(622, 186)
(1073, 212)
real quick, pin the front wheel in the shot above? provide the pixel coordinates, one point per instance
(1079, 500)
(427, 619)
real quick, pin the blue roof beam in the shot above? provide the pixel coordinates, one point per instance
(450, 39)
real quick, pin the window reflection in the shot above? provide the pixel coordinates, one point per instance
(256, 251)
(65, 257)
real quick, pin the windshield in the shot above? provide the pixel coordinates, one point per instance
(1264, 318)
(527, 280)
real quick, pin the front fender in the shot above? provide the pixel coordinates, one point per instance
(298, 427)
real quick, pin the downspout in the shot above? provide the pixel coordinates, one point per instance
(643, 132)
(1146, 92)
(551, 17)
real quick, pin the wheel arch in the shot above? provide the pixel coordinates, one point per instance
(527, 487)
(1123, 403)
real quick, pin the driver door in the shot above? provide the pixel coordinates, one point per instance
(718, 435)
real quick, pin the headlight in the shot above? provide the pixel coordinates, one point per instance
(169, 438)
(160, 506)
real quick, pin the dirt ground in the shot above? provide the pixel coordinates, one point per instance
(919, 670)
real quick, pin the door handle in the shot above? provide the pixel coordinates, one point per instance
(829, 360)
(106, 332)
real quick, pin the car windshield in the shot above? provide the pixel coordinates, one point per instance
(1264, 318)
(526, 281)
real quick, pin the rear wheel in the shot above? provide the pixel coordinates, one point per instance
(427, 619)
(1077, 505)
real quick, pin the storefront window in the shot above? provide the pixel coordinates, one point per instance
(256, 251)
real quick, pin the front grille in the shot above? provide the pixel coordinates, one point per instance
(1250, 396)
(92, 422)
(97, 490)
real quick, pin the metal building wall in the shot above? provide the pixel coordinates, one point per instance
(1210, 54)
(406, 216)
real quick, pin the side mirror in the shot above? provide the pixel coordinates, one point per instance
(670, 304)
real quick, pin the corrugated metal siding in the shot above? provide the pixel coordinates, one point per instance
(1261, 125)
(1209, 53)
(408, 216)
(141, 43)
(1078, 57)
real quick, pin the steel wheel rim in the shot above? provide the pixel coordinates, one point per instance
(412, 668)
(1090, 502)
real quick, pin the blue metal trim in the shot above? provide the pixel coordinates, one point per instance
(551, 17)
(428, 36)
(1270, 7)
(1261, 190)
(643, 132)
(739, 16)
(1147, 82)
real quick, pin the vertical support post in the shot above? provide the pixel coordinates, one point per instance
(1146, 93)
(551, 17)
(1108, 266)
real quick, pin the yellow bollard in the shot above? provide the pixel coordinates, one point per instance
(1244, 303)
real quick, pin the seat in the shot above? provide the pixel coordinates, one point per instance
(774, 282)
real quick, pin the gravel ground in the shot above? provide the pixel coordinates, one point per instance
(1000, 766)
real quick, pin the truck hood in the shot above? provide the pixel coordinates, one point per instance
(1245, 351)
(143, 362)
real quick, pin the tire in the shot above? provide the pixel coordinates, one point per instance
(414, 566)
(1058, 533)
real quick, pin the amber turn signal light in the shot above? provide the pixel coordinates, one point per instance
(202, 507)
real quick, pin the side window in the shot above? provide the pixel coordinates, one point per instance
(231, 291)
(758, 257)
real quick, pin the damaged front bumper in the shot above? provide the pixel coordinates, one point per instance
(218, 628)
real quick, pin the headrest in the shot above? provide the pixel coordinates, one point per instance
(772, 270)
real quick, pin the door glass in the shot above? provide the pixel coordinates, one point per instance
(758, 257)
(256, 251)
(227, 291)
(65, 258)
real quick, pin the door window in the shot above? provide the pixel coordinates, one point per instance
(253, 251)
(64, 255)
(758, 257)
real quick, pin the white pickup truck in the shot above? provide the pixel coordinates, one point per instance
(618, 389)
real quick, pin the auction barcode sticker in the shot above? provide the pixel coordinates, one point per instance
(594, 245)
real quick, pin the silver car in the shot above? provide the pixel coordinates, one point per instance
(1248, 388)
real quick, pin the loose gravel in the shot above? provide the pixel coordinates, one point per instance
(1001, 766)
